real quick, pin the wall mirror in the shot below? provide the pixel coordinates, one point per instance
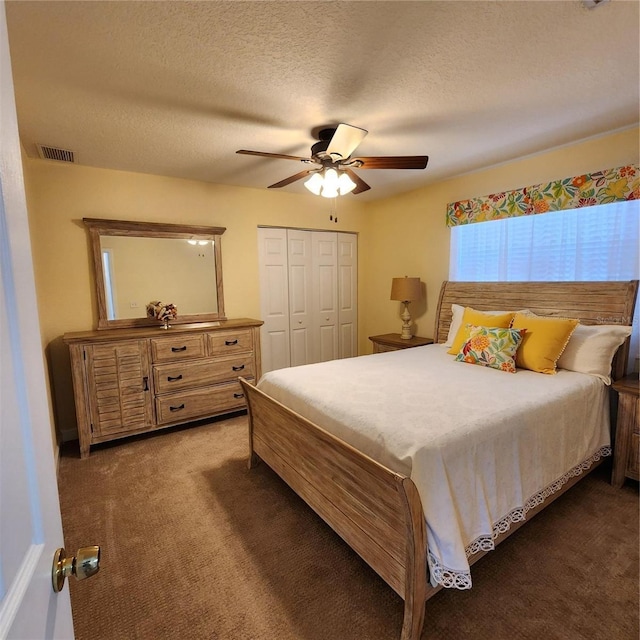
(136, 263)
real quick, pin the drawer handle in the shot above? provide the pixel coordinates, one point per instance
(174, 349)
(170, 379)
(177, 408)
(230, 343)
(240, 368)
(238, 395)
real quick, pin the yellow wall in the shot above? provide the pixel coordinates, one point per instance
(408, 235)
(404, 235)
(59, 196)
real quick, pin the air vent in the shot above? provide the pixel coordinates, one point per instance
(592, 4)
(53, 153)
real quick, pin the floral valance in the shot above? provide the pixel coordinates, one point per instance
(589, 189)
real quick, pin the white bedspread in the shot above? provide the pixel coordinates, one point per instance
(482, 446)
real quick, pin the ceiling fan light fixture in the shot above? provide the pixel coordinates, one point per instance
(330, 184)
(314, 184)
(345, 184)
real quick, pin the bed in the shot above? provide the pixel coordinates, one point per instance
(344, 436)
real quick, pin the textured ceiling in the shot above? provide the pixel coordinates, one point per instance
(175, 88)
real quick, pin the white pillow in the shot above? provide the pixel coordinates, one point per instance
(457, 311)
(456, 320)
(591, 349)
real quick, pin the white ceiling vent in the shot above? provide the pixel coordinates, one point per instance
(53, 153)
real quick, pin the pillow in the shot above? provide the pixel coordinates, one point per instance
(478, 318)
(493, 347)
(544, 341)
(591, 349)
(456, 320)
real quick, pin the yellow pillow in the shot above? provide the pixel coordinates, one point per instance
(479, 319)
(543, 342)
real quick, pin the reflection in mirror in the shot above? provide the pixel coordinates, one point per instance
(136, 263)
(139, 270)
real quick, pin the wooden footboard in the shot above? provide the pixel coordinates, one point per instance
(376, 511)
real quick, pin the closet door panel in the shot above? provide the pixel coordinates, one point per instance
(347, 294)
(274, 298)
(325, 294)
(300, 283)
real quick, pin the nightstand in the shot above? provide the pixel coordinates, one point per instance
(393, 342)
(626, 457)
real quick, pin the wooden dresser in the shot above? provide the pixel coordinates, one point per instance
(129, 381)
(626, 457)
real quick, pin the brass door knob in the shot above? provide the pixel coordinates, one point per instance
(84, 564)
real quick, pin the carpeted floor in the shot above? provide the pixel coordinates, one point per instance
(196, 546)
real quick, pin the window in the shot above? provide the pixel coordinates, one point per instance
(592, 243)
(107, 268)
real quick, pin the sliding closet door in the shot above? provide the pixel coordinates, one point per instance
(325, 296)
(274, 298)
(347, 247)
(300, 301)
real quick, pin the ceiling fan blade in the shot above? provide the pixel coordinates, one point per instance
(290, 179)
(394, 162)
(345, 140)
(273, 155)
(361, 185)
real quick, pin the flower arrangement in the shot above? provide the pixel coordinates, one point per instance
(162, 311)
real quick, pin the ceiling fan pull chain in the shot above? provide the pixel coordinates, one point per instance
(334, 213)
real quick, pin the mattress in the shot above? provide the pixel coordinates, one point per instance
(481, 445)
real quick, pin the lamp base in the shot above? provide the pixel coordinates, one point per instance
(406, 323)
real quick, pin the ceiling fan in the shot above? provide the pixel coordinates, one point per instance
(334, 173)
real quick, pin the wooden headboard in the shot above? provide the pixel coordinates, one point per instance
(590, 302)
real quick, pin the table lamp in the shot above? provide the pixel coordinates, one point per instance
(405, 290)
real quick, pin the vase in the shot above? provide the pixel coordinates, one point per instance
(165, 323)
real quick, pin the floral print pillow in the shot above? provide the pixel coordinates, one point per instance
(493, 347)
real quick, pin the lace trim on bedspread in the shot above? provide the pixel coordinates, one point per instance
(452, 579)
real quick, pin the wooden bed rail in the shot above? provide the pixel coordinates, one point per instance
(376, 511)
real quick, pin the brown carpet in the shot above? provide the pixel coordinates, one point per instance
(196, 546)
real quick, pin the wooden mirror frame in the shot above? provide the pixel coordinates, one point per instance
(98, 227)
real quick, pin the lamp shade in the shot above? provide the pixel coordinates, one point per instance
(406, 289)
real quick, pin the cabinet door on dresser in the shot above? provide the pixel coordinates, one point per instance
(118, 382)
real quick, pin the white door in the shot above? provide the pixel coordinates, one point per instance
(325, 295)
(274, 298)
(30, 526)
(348, 295)
(302, 346)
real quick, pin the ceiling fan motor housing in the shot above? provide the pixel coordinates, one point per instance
(318, 150)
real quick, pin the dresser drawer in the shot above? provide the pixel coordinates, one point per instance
(177, 347)
(222, 342)
(187, 405)
(201, 373)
